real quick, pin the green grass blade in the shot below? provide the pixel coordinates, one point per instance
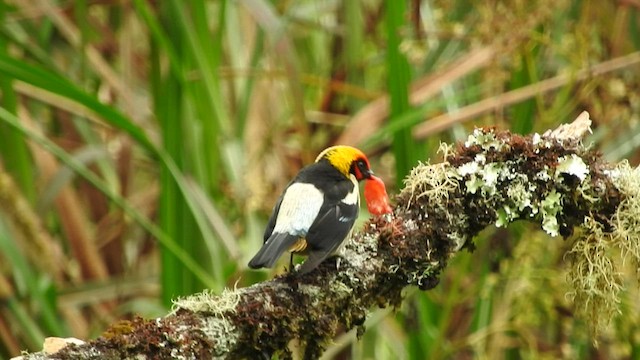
(88, 175)
(56, 84)
(15, 153)
(398, 78)
(523, 113)
(160, 36)
(27, 285)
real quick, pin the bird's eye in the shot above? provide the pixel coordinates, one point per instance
(360, 168)
(361, 165)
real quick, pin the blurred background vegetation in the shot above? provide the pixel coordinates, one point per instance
(145, 142)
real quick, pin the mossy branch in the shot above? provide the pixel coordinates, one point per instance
(493, 178)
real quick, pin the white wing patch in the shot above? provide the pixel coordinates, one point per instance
(299, 208)
(353, 198)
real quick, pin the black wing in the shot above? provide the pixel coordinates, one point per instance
(333, 224)
(272, 249)
(274, 215)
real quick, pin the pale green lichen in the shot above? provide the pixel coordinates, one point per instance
(490, 175)
(209, 302)
(473, 184)
(470, 168)
(504, 217)
(483, 177)
(594, 276)
(550, 207)
(520, 193)
(585, 189)
(486, 178)
(480, 158)
(435, 182)
(486, 140)
(457, 239)
(426, 275)
(518, 199)
(226, 337)
(572, 165)
(313, 292)
(358, 251)
(535, 139)
(626, 220)
(594, 272)
(218, 328)
(543, 175)
(341, 289)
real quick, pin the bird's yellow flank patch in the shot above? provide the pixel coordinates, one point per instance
(341, 157)
(299, 246)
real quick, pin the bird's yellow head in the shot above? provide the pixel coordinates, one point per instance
(348, 160)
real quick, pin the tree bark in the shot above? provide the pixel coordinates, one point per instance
(494, 178)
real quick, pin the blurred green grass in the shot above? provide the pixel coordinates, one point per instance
(144, 144)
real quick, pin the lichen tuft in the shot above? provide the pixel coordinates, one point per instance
(207, 301)
(626, 220)
(594, 276)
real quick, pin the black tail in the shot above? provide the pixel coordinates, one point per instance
(272, 250)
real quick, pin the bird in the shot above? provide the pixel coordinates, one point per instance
(317, 210)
